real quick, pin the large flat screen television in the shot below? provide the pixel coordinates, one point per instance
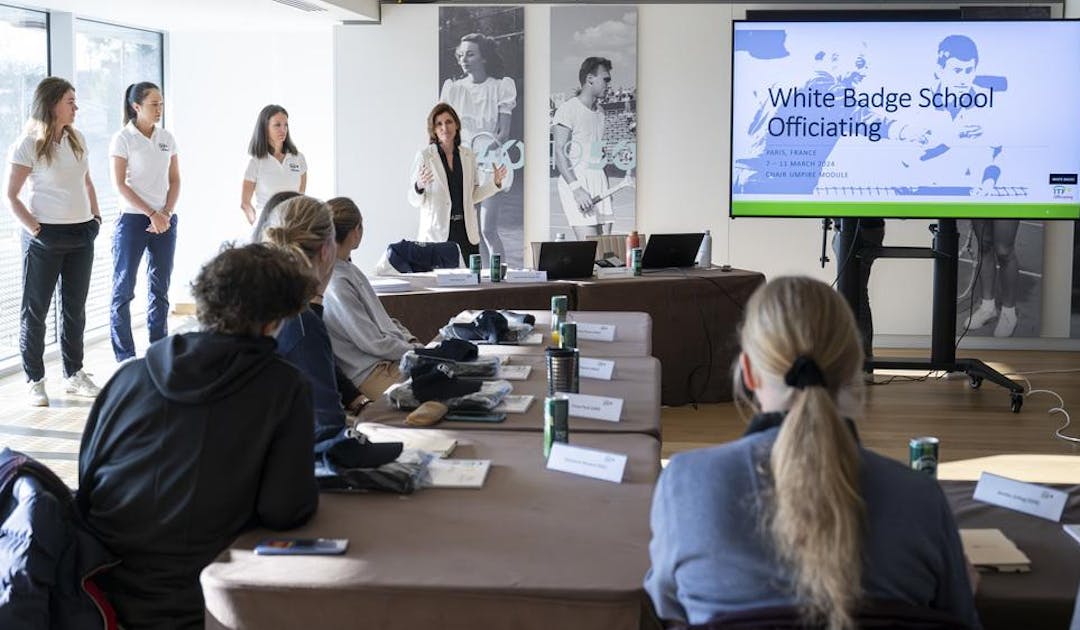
(906, 119)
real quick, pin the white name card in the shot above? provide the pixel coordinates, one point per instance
(607, 272)
(587, 462)
(600, 369)
(1028, 498)
(596, 407)
(596, 332)
(525, 275)
(445, 278)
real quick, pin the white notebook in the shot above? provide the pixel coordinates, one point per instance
(457, 473)
(429, 441)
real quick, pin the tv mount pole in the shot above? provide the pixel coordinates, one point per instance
(945, 253)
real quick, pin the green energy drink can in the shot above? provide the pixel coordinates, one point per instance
(567, 335)
(475, 263)
(923, 455)
(635, 261)
(556, 422)
(496, 268)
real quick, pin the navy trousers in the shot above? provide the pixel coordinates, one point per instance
(63, 252)
(129, 242)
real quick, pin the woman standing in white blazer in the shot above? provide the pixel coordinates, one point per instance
(446, 187)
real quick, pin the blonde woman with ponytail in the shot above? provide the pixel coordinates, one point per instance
(796, 514)
(305, 226)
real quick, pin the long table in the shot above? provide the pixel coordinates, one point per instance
(532, 549)
(636, 380)
(1043, 598)
(695, 313)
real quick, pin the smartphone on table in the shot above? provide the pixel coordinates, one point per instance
(302, 546)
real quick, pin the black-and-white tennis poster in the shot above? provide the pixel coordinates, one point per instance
(482, 76)
(593, 111)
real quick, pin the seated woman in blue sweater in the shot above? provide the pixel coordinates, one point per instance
(796, 513)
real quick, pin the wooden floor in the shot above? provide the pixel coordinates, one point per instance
(969, 423)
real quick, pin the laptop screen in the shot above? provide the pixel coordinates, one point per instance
(567, 259)
(671, 250)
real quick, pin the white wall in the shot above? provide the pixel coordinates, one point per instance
(387, 79)
(216, 84)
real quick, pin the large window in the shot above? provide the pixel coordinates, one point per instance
(108, 58)
(24, 61)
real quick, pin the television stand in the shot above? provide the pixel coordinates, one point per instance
(945, 253)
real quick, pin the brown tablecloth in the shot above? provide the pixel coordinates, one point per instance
(1040, 599)
(532, 549)
(636, 381)
(428, 308)
(695, 314)
(633, 335)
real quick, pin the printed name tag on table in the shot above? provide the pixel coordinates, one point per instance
(601, 369)
(588, 462)
(595, 407)
(1028, 498)
(596, 332)
(447, 278)
(525, 275)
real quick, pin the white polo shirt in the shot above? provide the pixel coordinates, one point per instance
(147, 164)
(271, 176)
(57, 189)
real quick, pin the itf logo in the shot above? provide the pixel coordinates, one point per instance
(1062, 192)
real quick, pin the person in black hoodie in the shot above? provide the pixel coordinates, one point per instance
(209, 435)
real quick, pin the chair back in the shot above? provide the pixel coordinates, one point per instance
(873, 614)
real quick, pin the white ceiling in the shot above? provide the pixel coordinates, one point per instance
(214, 15)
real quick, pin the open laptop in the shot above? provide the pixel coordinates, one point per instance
(566, 259)
(671, 250)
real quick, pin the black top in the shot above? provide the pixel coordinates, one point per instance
(458, 233)
(207, 436)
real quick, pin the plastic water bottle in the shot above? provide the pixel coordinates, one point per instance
(704, 253)
(633, 240)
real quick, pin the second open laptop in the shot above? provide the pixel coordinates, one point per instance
(563, 260)
(671, 250)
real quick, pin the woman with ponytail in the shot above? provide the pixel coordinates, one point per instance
(796, 513)
(60, 221)
(305, 226)
(147, 178)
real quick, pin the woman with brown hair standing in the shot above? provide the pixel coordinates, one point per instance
(60, 221)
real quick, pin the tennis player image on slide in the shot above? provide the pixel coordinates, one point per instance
(788, 141)
(958, 155)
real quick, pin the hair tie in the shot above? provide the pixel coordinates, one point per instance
(804, 373)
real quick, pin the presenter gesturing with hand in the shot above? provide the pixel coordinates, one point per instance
(445, 185)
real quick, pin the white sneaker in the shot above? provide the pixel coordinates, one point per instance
(982, 315)
(81, 385)
(1006, 324)
(38, 397)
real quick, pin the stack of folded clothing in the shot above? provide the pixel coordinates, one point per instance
(435, 382)
(458, 358)
(491, 327)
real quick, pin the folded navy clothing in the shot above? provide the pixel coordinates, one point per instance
(416, 257)
(431, 383)
(349, 450)
(488, 326)
(453, 349)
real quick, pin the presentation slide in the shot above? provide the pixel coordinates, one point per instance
(906, 119)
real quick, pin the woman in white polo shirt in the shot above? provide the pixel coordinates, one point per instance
(60, 222)
(275, 164)
(147, 177)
